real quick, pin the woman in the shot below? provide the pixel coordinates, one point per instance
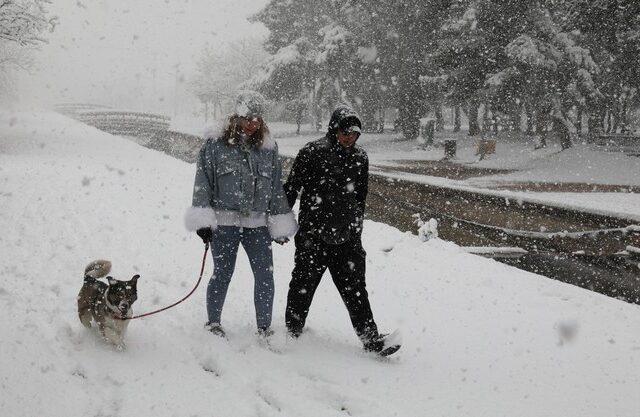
(238, 199)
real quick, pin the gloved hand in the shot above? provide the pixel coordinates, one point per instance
(205, 234)
(281, 240)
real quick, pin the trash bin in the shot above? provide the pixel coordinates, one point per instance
(450, 146)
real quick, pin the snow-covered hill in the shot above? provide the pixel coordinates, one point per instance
(481, 338)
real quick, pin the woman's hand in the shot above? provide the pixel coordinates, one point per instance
(281, 240)
(205, 234)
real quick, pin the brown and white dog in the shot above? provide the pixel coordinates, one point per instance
(108, 304)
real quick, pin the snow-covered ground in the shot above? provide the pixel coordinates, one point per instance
(481, 338)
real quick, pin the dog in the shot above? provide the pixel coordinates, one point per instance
(108, 304)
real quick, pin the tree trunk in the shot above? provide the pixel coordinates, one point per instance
(540, 121)
(429, 132)
(299, 114)
(409, 109)
(561, 129)
(410, 93)
(313, 106)
(439, 118)
(623, 114)
(474, 126)
(512, 122)
(456, 118)
(543, 140)
(579, 123)
(530, 115)
(381, 115)
(486, 121)
(368, 114)
(595, 119)
(409, 122)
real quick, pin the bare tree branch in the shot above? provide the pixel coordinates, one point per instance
(25, 21)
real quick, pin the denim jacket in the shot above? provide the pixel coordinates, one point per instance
(240, 178)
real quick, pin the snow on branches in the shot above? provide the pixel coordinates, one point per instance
(25, 21)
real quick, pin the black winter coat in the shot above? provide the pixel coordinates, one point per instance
(334, 184)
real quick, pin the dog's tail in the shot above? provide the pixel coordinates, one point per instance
(97, 269)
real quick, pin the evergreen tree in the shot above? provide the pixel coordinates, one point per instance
(610, 29)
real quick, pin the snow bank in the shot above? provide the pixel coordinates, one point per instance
(481, 338)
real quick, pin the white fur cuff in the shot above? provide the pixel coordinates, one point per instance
(199, 217)
(282, 225)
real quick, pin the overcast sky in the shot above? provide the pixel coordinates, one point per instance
(131, 52)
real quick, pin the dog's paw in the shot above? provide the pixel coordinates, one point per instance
(120, 347)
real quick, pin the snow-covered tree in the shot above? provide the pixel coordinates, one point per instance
(289, 76)
(23, 26)
(462, 60)
(406, 39)
(542, 59)
(611, 32)
(294, 41)
(12, 58)
(351, 67)
(543, 71)
(220, 72)
(370, 54)
(25, 22)
(319, 56)
(514, 58)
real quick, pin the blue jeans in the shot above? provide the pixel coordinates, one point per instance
(224, 248)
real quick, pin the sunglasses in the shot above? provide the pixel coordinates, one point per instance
(252, 120)
(350, 132)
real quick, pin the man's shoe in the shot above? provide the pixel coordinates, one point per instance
(293, 334)
(216, 329)
(375, 344)
(384, 344)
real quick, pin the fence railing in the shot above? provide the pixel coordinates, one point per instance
(127, 123)
(72, 109)
(620, 142)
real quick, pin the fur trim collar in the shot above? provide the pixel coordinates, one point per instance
(268, 143)
(215, 132)
(212, 132)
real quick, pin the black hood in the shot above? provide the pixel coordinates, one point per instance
(343, 116)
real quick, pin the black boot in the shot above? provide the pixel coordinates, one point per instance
(381, 344)
(374, 344)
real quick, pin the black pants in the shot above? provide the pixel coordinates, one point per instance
(346, 263)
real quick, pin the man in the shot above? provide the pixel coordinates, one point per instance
(332, 173)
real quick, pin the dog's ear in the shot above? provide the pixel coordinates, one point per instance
(111, 280)
(134, 279)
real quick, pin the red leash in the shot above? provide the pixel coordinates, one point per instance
(204, 259)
